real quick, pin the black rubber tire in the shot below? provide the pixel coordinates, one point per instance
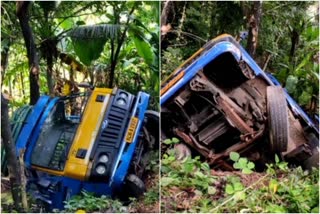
(277, 119)
(134, 185)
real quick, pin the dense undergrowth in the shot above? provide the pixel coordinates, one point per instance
(87, 202)
(191, 186)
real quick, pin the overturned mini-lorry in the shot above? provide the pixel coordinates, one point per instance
(220, 101)
(96, 141)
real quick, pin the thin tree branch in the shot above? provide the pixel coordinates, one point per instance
(190, 35)
(114, 62)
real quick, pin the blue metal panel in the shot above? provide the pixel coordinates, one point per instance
(121, 170)
(37, 130)
(30, 123)
(97, 188)
(68, 187)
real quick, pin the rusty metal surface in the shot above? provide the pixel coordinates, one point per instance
(215, 158)
(233, 117)
(235, 148)
(202, 150)
(201, 83)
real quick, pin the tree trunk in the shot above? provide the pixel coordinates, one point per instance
(294, 44)
(183, 18)
(34, 69)
(254, 22)
(13, 164)
(166, 11)
(165, 26)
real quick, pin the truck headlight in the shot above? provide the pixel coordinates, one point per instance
(120, 101)
(103, 158)
(123, 95)
(122, 98)
(100, 169)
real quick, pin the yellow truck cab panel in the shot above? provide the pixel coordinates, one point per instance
(78, 158)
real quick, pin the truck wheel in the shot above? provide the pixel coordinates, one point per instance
(134, 185)
(147, 147)
(277, 119)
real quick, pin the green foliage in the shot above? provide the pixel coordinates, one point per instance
(152, 195)
(88, 50)
(90, 203)
(144, 50)
(280, 189)
(190, 173)
(171, 141)
(241, 163)
(171, 59)
(233, 186)
(89, 41)
(86, 31)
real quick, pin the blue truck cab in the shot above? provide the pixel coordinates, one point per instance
(91, 141)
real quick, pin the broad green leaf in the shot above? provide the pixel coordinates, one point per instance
(144, 50)
(89, 41)
(229, 189)
(315, 210)
(67, 24)
(246, 171)
(188, 167)
(291, 84)
(250, 165)
(237, 186)
(234, 156)
(199, 174)
(304, 98)
(243, 162)
(171, 158)
(237, 166)
(277, 159)
(167, 141)
(175, 140)
(240, 195)
(88, 50)
(205, 166)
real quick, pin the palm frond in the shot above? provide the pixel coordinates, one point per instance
(95, 31)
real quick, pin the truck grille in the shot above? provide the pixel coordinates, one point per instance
(112, 134)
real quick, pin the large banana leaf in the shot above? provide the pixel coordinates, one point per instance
(142, 44)
(89, 41)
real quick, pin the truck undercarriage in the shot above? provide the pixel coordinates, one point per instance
(225, 108)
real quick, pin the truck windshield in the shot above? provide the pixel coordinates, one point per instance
(57, 133)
